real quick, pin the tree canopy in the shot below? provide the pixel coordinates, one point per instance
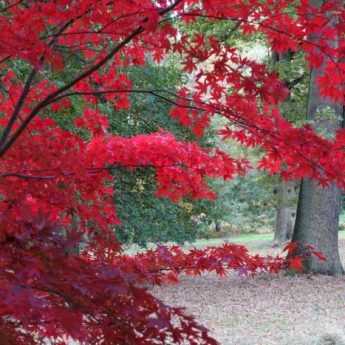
(63, 275)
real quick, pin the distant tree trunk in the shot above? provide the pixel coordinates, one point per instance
(318, 208)
(286, 190)
(286, 212)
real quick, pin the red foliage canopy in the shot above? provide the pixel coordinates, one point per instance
(54, 185)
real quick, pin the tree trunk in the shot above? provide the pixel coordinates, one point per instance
(286, 212)
(317, 224)
(318, 208)
(286, 190)
(218, 227)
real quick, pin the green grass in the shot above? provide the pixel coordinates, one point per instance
(201, 243)
(245, 239)
(241, 239)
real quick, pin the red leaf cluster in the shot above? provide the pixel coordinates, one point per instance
(62, 274)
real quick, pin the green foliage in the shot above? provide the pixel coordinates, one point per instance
(292, 70)
(225, 30)
(244, 205)
(146, 218)
(148, 113)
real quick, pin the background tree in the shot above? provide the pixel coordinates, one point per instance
(293, 70)
(144, 217)
(317, 221)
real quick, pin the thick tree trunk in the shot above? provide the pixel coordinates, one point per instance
(318, 208)
(317, 224)
(286, 212)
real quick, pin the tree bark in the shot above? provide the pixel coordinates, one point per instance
(317, 224)
(318, 208)
(286, 212)
(286, 190)
(218, 226)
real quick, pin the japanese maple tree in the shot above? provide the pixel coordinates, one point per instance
(63, 275)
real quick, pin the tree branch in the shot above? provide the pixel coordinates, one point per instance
(291, 84)
(49, 99)
(28, 84)
(90, 171)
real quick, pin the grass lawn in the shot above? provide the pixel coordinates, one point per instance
(244, 238)
(252, 241)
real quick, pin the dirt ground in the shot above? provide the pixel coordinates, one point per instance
(263, 310)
